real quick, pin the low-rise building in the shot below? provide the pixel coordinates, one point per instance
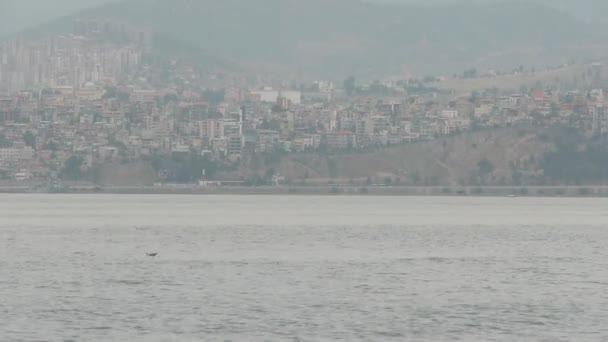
(340, 140)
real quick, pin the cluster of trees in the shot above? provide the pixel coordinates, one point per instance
(413, 87)
(213, 96)
(4, 142)
(572, 165)
(350, 86)
(72, 169)
(422, 89)
(471, 73)
(183, 167)
(260, 180)
(29, 138)
(485, 168)
(114, 93)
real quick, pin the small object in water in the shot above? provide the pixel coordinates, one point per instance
(151, 254)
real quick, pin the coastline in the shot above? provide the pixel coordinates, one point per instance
(330, 190)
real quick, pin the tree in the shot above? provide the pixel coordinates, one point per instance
(29, 139)
(272, 124)
(4, 142)
(350, 85)
(183, 167)
(415, 176)
(485, 168)
(46, 92)
(277, 109)
(111, 92)
(170, 98)
(471, 73)
(71, 168)
(378, 88)
(123, 97)
(50, 146)
(474, 96)
(270, 173)
(213, 96)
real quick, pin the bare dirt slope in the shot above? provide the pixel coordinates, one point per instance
(136, 173)
(449, 161)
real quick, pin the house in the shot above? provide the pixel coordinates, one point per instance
(13, 154)
(538, 95)
(597, 94)
(270, 95)
(483, 109)
(268, 140)
(449, 114)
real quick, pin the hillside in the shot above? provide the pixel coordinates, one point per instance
(341, 37)
(513, 156)
(18, 15)
(592, 11)
(566, 77)
(447, 161)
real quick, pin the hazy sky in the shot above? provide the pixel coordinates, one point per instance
(18, 14)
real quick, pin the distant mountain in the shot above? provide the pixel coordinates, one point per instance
(593, 11)
(17, 15)
(340, 37)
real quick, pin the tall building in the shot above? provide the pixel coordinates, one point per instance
(211, 129)
(365, 126)
(235, 145)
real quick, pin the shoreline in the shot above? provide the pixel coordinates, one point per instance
(330, 190)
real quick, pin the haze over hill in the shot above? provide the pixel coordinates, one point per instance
(341, 37)
(122, 92)
(589, 10)
(17, 15)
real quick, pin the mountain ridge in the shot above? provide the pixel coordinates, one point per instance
(339, 37)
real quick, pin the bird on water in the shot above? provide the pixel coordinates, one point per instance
(151, 254)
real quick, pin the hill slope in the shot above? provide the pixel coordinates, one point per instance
(349, 36)
(587, 10)
(17, 15)
(448, 161)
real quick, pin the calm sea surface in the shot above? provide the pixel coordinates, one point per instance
(236, 268)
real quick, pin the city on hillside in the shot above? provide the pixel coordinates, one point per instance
(70, 103)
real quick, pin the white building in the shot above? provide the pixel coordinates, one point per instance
(483, 110)
(271, 95)
(9, 154)
(12, 154)
(324, 86)
(449, 114)
(365, 126)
